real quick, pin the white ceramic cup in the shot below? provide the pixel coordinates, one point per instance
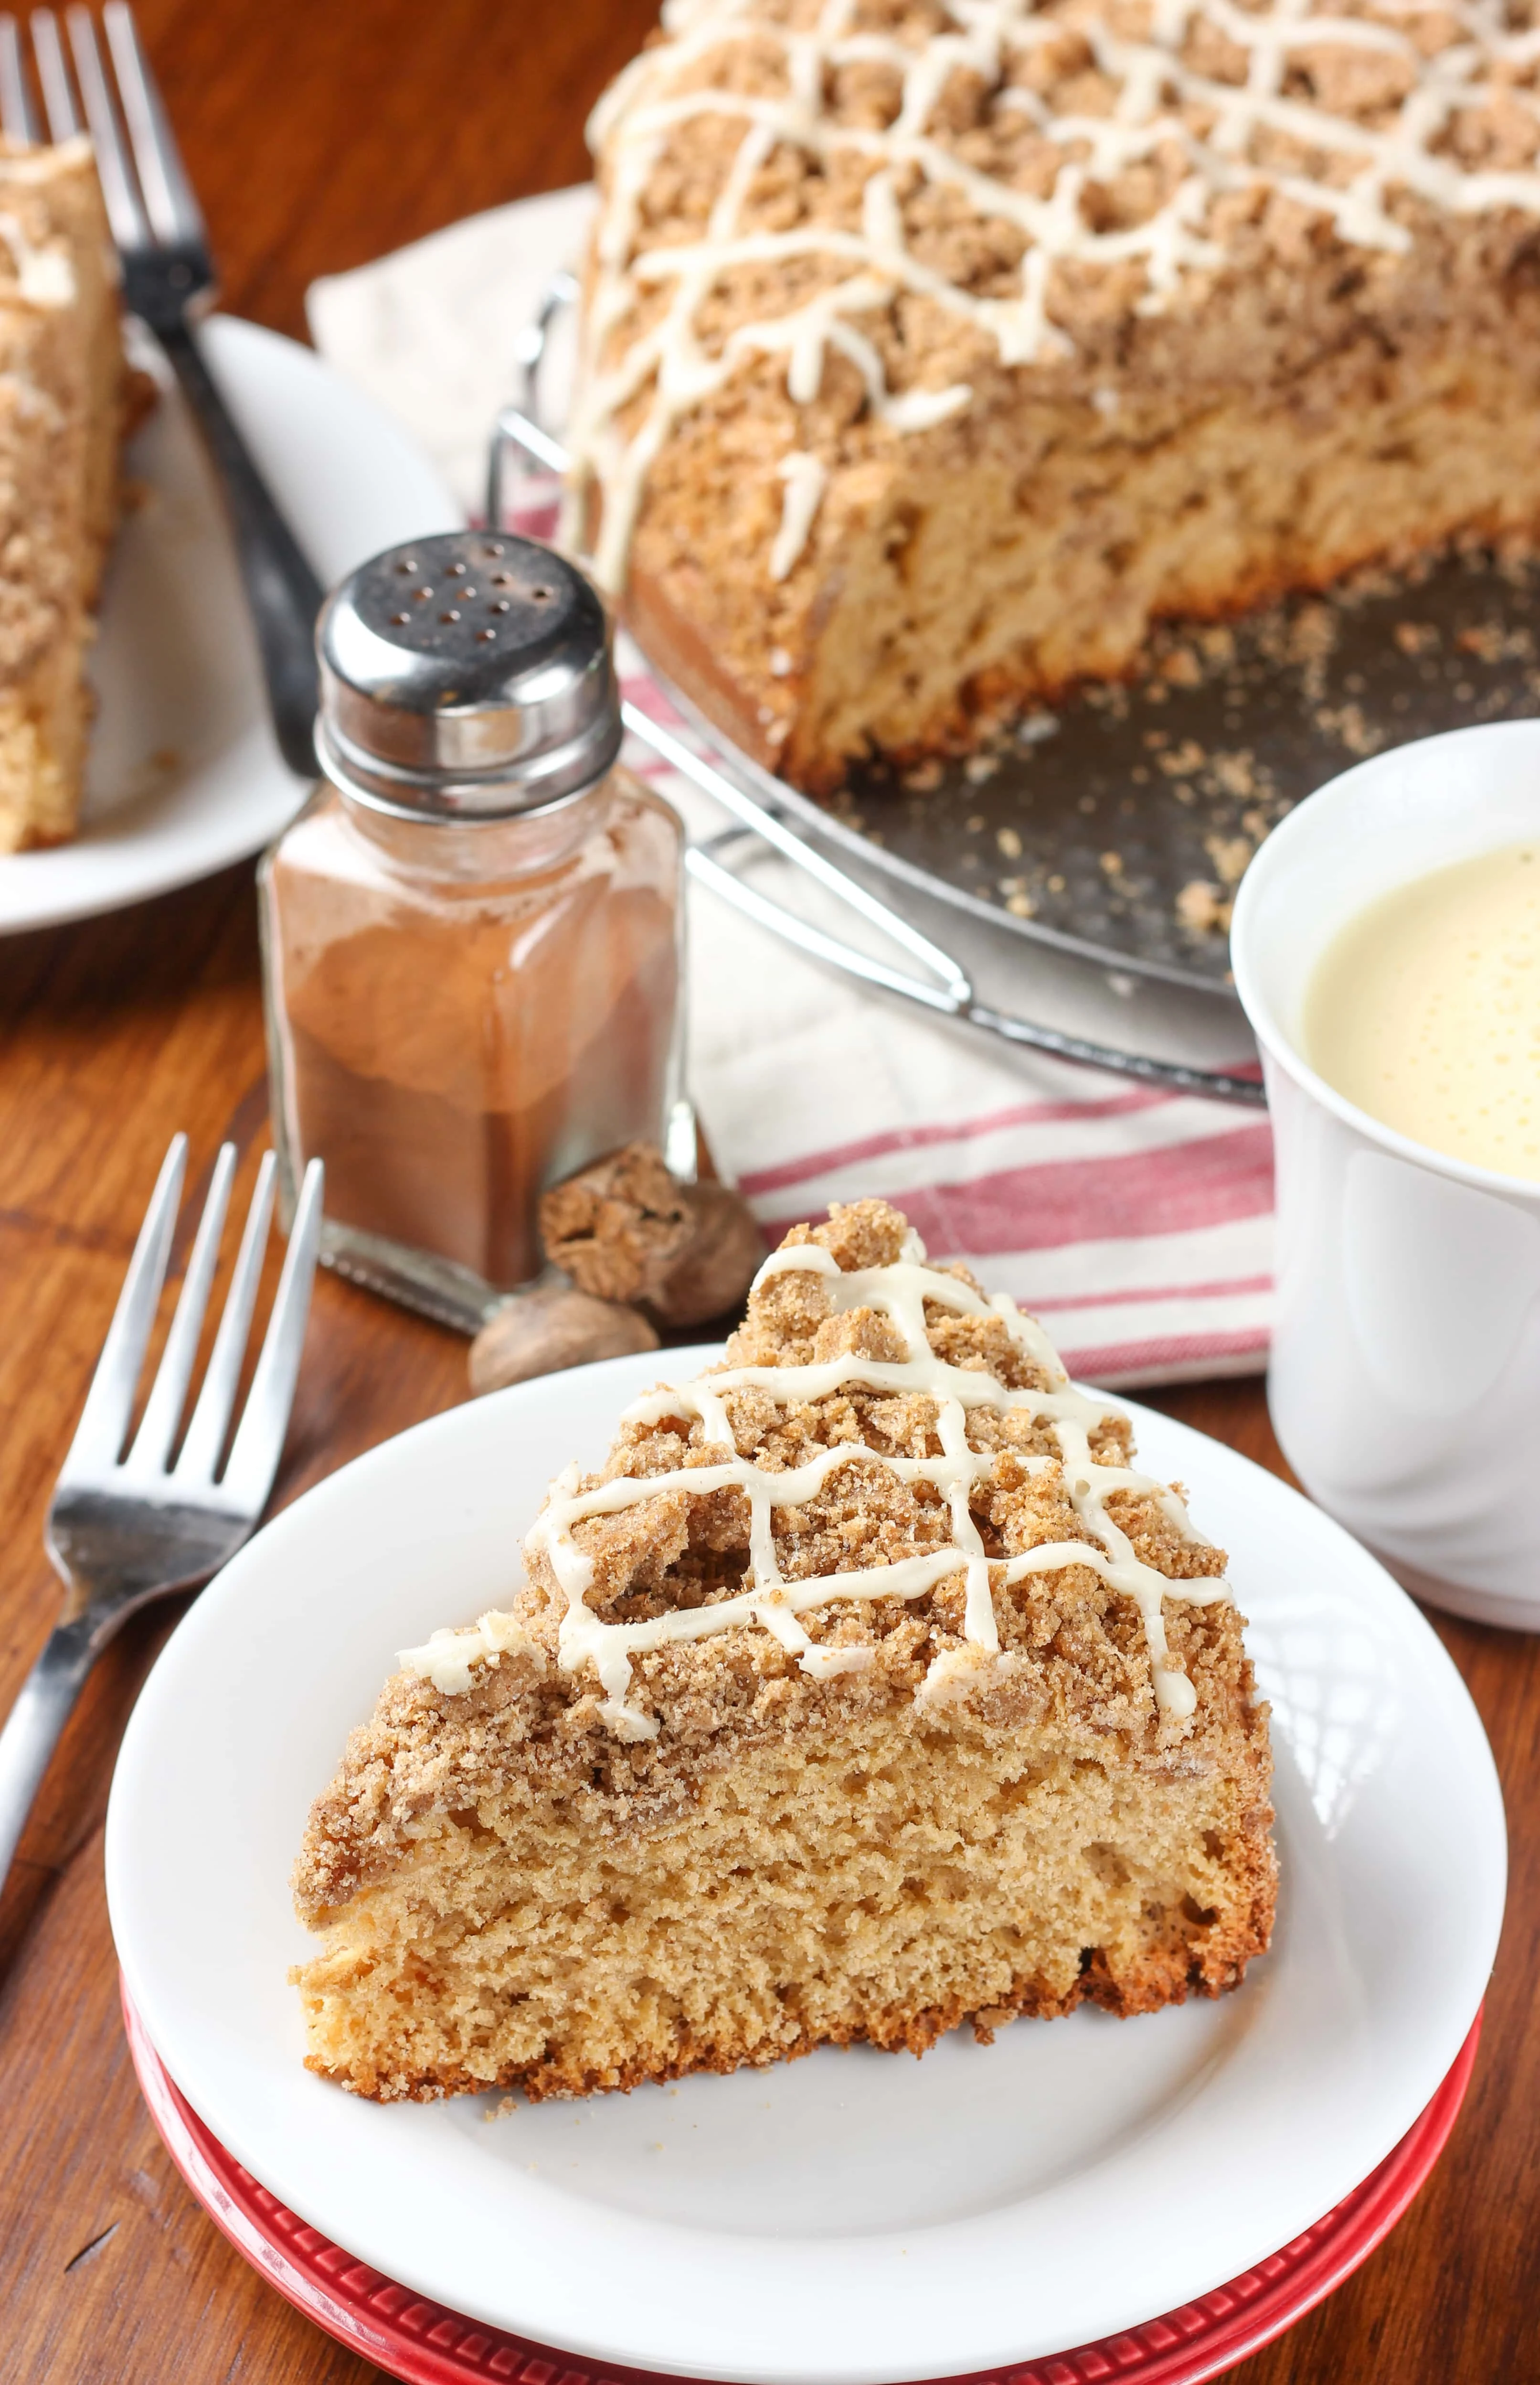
(1404, 1374)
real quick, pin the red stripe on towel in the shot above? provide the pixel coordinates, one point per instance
(1229, 1290)
(924, 1137)
(1172, 1190)
(1178, 1352)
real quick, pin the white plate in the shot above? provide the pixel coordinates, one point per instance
(856, 2216)
(185, 774)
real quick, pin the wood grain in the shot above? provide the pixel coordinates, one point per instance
(321, 133)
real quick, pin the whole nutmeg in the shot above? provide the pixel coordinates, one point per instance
(549, 1327)
(624, 1230)
(717, 1264)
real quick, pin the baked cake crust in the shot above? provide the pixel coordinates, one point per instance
(573, 1849)
(935, 348)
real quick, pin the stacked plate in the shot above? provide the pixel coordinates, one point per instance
(1150, 2199)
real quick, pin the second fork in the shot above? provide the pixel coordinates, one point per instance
(126, 1525)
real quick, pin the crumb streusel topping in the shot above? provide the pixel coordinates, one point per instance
(926, 188)
(939, 1402)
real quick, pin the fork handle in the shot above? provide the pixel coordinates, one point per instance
(282, 590)
(33, 1725)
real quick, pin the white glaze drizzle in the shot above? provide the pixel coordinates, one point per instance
(669, 368)
(804, 477)
(900, 1291)
(44, 276)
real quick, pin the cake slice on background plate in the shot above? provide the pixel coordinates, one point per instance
(933, 349)
(866, 1689)
(63, 385)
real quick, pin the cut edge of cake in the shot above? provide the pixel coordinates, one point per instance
(807, 1727)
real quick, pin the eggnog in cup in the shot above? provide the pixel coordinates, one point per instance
(1424, 1010)
(1386, 948)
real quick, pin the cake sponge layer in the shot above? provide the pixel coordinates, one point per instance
(1001, 561)
(864, 1881)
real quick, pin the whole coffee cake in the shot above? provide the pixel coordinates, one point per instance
(866, 1690)
(934, 348)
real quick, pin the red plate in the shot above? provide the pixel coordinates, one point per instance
(425, 2344)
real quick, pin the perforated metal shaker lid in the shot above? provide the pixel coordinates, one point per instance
(468, 676)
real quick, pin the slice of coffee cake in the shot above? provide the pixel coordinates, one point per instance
(866, 1689)
(62, 390)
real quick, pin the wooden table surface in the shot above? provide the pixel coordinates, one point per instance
(319, 134)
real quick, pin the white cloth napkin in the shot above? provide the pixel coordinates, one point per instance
(1136, 1223)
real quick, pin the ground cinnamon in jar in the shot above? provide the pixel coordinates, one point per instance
(467, 1005)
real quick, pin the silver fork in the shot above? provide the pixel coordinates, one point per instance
(169, 281)
(123, 1529)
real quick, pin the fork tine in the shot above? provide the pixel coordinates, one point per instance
(157, 1427)
(18, 116)
(119, 189)
(109, 1402)
(259, 1443)
(58, 100)
(206, 1434)
(169, 195)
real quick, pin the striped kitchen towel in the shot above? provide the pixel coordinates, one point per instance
(1136, 1223)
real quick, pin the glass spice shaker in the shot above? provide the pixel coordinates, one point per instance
(472, 933)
